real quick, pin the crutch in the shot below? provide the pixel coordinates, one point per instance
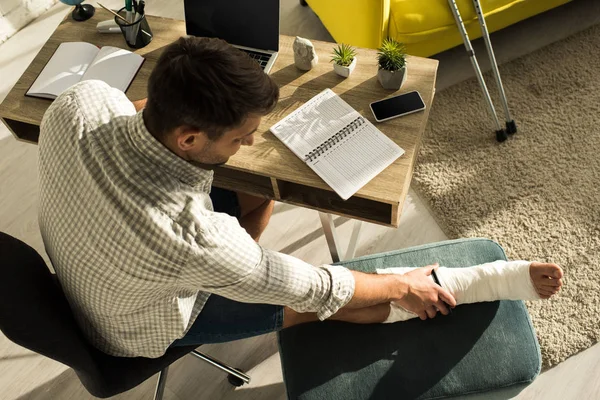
(500, 133)
(511, 127)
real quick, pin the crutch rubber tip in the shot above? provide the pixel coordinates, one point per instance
(511, 127)
(501, 135)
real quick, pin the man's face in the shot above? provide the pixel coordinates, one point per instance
(218, 152)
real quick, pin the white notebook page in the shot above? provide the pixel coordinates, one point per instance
(358, 158)
(314, 122)
(353, 159)
(65, 68)
(115, 66)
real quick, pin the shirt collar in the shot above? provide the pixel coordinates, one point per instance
(164, 158)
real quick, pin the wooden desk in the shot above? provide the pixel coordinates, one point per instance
(267, 168)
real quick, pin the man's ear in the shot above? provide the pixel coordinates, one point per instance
(188, 138)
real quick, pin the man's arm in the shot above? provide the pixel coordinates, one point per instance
(415, 291)
(139, 104)
(226, 261)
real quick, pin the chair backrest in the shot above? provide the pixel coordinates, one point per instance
(33, 311)
(35, 314)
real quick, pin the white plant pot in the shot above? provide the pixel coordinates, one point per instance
(344, 71)
(392, 79)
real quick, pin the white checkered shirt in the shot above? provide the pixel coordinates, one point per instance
(130, 229)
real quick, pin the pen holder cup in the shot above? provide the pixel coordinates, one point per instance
(137, 34)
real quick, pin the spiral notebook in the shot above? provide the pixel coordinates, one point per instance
(345, 149)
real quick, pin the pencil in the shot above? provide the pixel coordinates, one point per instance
(113, 13)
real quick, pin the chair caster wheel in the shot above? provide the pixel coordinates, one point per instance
(234, 380)
(501, 135)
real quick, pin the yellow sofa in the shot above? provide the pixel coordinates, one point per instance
(426, 26)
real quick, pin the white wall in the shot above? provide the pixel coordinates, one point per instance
(7, 6)
(15, 14)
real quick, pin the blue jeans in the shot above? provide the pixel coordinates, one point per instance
(223, 320)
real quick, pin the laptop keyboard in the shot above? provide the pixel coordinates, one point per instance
(261, 58)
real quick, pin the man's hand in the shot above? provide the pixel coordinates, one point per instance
(423, 296)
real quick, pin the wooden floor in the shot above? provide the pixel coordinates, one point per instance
(25, 375)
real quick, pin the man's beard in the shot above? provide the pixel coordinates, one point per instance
(207, 165)
(206, 159)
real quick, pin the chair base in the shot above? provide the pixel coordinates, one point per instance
(233, 373)
(161, 384)
(236, 377)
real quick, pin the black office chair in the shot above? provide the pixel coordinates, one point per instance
(35, 314)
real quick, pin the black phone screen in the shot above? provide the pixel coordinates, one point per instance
(397, 105)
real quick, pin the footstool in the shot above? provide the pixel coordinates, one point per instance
(488, 349)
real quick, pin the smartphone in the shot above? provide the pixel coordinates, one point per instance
(397, 106)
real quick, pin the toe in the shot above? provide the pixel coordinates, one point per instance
(547, 290)
(551, 283)
(548, 270)
(557, 272)
(545, 294)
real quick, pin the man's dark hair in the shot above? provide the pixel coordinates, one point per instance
(208, 85)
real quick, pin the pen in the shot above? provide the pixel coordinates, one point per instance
(129, 17)
(129, 8)
(138, 15)
(436, 280)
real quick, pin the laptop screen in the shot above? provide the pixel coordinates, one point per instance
(241, 22)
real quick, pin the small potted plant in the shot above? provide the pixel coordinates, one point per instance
(392, 64)
(343, 59)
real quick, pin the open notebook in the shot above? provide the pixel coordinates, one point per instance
(73, 62)
(340, 145)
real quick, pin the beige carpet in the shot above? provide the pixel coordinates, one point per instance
(538, 193)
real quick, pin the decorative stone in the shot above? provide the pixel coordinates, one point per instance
(392, 79)
(305, 56)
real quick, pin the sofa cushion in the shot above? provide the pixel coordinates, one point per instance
(417, 16)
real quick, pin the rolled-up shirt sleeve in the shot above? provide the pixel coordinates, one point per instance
(226, 261)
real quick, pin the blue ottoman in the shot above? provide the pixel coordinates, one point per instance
(486, 348)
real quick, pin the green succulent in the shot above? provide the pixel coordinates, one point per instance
(391, 55)
(343, 54)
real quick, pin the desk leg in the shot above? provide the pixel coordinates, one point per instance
(332, 239)
(330, 235)
(353, 240)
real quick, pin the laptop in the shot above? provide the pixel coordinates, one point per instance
(251, 26)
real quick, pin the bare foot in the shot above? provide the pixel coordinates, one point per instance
(546, 278)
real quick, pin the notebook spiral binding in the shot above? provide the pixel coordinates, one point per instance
(333, 140)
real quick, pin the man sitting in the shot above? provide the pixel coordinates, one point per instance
(150, 255)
